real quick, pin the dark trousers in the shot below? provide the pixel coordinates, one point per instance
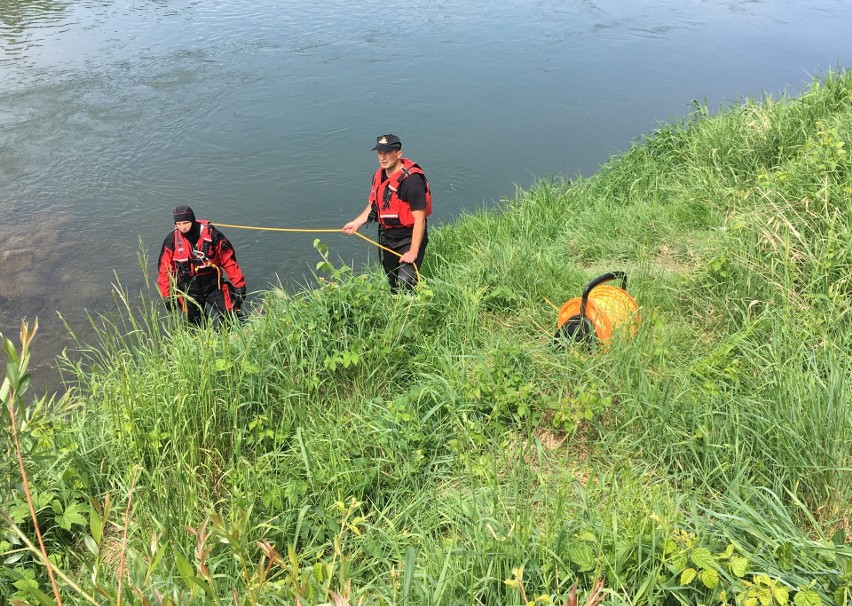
(203, 291)
(400, 275)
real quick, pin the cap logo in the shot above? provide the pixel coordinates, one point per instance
(383, 140)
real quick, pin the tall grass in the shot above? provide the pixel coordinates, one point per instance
(438, 449)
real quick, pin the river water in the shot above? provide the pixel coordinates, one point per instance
(264, 112)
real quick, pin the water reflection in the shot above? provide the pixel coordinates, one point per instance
(41, 279)
(25, 249)
(18, 19)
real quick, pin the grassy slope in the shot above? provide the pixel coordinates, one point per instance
(717, 440)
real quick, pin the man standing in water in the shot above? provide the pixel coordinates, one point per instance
(198, 267)
(400, 201)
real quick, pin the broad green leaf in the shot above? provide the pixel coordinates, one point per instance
(23, 383)
(12, 373)
(678, 563)
(185, 570)
(408, 572)
(15, 558)
(781, 594)
(807, 597)
(43, 598)
(250, 368)
(91, 545)
(709, 578)
(637, 597)
(96, 525)
(784, 553)
(687, 576)
(72, 515)
(42, 499)
(25, 584)
(739, 565)
(702, 558)
(20, 573)
(29, 587)
(294, 560)
(11, 352)
(19, 512)
(205, 586)
(583, 556)
(319, 572)
(827, 554)
(155, 560)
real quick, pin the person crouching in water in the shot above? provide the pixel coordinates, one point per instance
(400, 201)
(198, 267)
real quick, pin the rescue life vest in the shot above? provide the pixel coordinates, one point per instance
(191, 260)
(384, 196)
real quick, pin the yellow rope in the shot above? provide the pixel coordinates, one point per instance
(551, 304)
(316, 231)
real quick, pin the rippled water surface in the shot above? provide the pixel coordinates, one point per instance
(264, 113)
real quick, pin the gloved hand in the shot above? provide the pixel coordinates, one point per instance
(171, 303)
(239, 296)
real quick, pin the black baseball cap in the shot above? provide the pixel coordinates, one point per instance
(387, 143)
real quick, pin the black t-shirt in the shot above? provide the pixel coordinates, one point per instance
(413, 191)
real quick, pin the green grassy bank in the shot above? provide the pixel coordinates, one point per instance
(351, 446)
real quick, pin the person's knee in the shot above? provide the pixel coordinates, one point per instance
(407, 276)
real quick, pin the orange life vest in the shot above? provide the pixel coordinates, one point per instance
(191, 260)
(384, 196)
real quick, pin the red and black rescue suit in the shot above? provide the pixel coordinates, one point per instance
(195, 270)
(393, 200)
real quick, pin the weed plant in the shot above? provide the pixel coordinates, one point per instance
(349, 445)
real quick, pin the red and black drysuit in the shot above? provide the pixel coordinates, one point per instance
(392, 201)
(200, 264)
